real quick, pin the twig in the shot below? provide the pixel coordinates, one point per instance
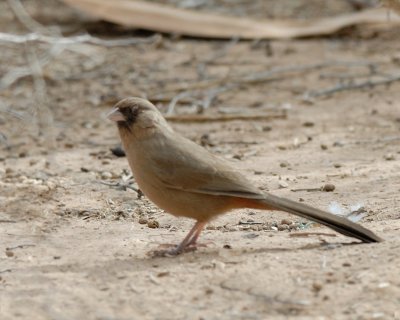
(20, 72)
(5, 270)
(84, 38)
(306, 189)
(233, 82)
(306, 234)
(7, 221)
(119, 185)
(21, 246)
(352, 86)
(26, 20)
(225, 117)
(45, 116)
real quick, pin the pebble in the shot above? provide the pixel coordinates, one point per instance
(9, 253)
(286, 221)
(283, 184)
(106, 175)
(338, 144)
(324, 147)
(389, 157)
(283, 227)
(143, 220)
(284, 164)
(337, 165)
(329, 187)
(153, 224)
(308, 124)
(317, 287)
(118, 151)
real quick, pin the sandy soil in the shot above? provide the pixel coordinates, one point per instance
(76, 236)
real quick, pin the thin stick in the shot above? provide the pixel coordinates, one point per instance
(45, 116)
(84, 38)
(306, 234)
(225, 117)
(352, 86)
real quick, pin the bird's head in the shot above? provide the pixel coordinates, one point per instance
(137, 116)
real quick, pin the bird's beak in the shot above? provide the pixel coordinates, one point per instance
(115, 115)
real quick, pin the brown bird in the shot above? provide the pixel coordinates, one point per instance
(187, 180)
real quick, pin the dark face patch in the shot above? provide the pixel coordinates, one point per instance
(130, 114)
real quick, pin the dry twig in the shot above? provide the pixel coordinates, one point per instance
(83, 38)
(352, 86)
(224, 117)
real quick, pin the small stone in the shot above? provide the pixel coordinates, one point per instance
(32, 162)
(329, 187)
(284, 164)
(266, 128)
(69, 145)
(308, 124)
(317, 287)
(143, 220)
(324, 147)
(283, 184)
(389, 157)
(346, 264)
(301, 199)
(106, 175)
(84, 169)
(338, 144)
(227, 246)
(153, 224)
(283, 227)
(118, 151)
(286, 221)
(9, 253)
(337, 165)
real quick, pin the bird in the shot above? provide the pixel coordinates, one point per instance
(187, 180)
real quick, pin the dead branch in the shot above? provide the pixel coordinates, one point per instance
(164, 18)
(42, 110)
(84, 38)
(225, 117)
(306, 234)
(352, 86)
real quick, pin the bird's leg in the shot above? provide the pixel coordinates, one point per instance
(199, 226)
(191, 237)
(189, 242)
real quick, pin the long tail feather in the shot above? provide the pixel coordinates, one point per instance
(339, 224)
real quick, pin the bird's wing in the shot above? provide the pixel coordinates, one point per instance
(200, 171)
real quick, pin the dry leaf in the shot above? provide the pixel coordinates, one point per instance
(163, 18)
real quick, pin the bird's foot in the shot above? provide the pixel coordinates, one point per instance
(170, 250)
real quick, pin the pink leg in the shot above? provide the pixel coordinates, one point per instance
(196, 235)
(188, 241)
(191, 237)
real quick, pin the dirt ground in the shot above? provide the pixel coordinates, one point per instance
(75, 236)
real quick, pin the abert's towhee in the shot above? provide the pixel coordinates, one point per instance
(187, 180)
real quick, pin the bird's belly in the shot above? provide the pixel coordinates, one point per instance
(194, 205)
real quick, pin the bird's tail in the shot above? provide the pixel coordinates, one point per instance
(339, 224)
